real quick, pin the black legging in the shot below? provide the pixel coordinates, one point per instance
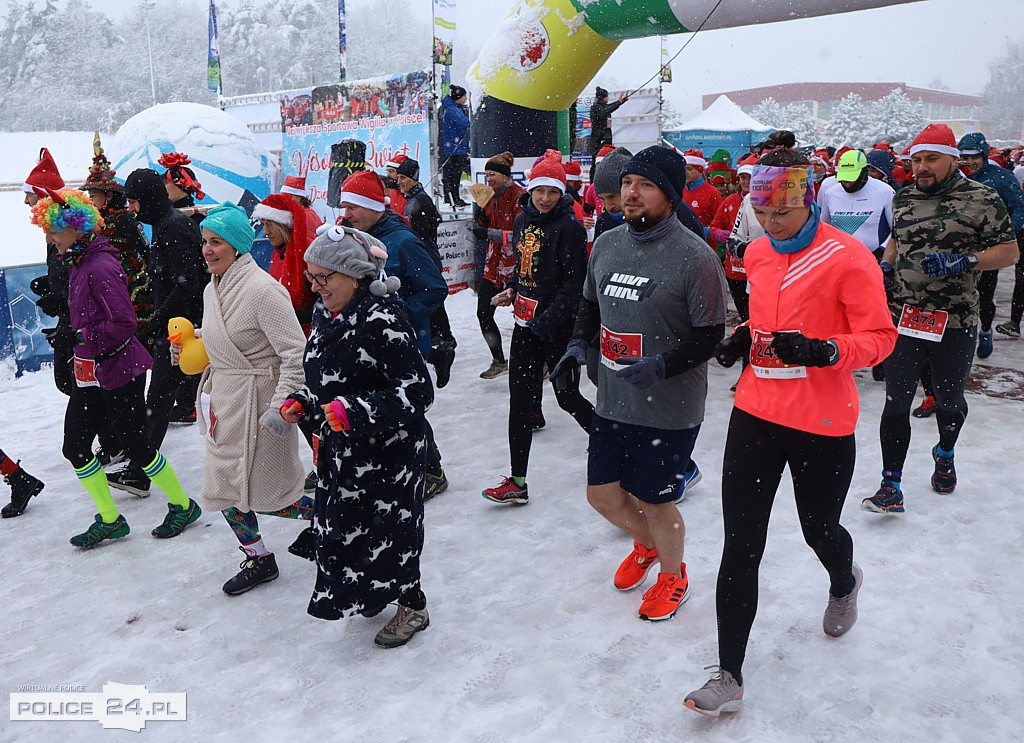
(756, 453)
(1017, 305)
(485, 316)
(164, 383)
(451, 175)
(124, 409)
(949, 361)
(740, 298)
(528, 355)
(441, 327)
(986, 294)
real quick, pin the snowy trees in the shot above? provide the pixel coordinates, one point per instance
(769, 113)
(1004, 94)
(896, 119)
(66, 65)
(849, 123)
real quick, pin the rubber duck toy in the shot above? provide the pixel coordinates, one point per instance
(193, 358)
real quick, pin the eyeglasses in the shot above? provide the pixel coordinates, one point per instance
(318, 278)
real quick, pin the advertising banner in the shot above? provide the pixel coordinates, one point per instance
(445, 13)
(390, 115)
(213, 79)
(342, 63)
(455, 242)
(21, 322)
(666, 69)
(636, 124)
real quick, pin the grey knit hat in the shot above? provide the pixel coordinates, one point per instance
(354, 254)
(606, 179)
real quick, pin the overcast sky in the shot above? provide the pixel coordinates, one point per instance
(946, 42)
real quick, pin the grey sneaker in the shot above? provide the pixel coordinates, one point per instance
(1009, 328)
(720, 694)
(400, 629)
(496, 369)
(841, 613)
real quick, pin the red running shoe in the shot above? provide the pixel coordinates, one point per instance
(661, 601)
(633, 570)
(507, 492)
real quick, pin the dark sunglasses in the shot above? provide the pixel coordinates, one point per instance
(318, 278)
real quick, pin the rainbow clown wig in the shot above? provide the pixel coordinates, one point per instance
(68, 207)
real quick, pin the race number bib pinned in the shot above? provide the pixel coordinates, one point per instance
(524, 310)
(85, 373)
(316, 450)
(615, 346)
(928, 325)
(765, 363)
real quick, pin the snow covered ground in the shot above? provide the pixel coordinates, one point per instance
(528, 639)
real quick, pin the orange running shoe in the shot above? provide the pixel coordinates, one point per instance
(633, 570)
(662, 600)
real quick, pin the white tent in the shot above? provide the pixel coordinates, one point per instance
(722, 125)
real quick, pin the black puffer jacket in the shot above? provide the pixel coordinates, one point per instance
(176, 266)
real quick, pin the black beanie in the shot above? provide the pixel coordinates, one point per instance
(663, 167)
(601, 92)
(409, 168)
(457, 91)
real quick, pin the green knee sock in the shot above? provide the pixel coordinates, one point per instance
(161, 472)
(94, 480)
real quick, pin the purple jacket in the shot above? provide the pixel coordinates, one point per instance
(102, 309)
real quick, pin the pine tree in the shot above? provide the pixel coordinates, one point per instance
(896, 119)
(769, 113)
(848, 124)
(798, 118)
(1004, 95)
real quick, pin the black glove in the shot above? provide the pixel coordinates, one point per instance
(736, 247)
(148, 335)
(478, 230)
(63, 336)
(566, 374)
(799, 350)
(729, 350)
(52, 304)
(40, 285)
(887, 272)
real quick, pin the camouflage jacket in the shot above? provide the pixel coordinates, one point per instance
(962, 216)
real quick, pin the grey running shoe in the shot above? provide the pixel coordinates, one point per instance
(1010, 328)
(841, 613)
(720, 694)
(496, 369)
(406, 623)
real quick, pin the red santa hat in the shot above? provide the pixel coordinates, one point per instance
(366, 189)
(395, 161)
(294, 185)
(905, 155)
(746, 165)
(696, 159)
(573, 171)
(280, 208)
(935, 138)
(44, 176)
(603, 153)
(548, 172)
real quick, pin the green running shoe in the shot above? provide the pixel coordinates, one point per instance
(100, 530)
(177, 519)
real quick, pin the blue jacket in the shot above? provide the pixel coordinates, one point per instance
(454, 128)
(1005, 182)
(423, 286)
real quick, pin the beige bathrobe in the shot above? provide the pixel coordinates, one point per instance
(255, 345)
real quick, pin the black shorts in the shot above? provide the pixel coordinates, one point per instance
(648, 462)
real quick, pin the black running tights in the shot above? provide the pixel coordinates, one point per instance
(756, 453)
(949, 362)
(485, 316)
(527, 357)
(91, 408)
(987, 296)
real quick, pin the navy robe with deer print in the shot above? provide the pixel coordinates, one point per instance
(368, 512)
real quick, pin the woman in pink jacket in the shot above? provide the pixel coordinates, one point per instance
(817, 312)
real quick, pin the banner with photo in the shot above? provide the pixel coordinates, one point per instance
(342, 44)
(445, 15)
(666, 68)
(389, 115)
(213, 79)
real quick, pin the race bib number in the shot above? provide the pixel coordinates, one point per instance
(524, 309)
(928, 325)
(316, 450)
(615, 346)
(85, 373)
(765, 363)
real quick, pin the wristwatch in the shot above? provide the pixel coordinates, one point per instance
(972, 260)
(833, 352)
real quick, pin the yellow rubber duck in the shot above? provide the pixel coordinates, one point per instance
(193, 358)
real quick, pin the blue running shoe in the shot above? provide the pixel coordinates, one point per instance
(984, 345)
(888, 499)
(944, 477)
(691, 477)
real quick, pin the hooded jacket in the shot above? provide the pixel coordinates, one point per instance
(423, 287)
(454, 128)
(993, 176)
(177, 270)
(551, 263)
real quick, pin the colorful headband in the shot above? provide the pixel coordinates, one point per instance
(782, 187)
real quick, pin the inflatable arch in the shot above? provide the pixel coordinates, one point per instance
(545, 52)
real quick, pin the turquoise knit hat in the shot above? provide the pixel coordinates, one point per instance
(232, 223)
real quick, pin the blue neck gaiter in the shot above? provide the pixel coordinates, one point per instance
(803, 238)
(619, 217)
(696, 184)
